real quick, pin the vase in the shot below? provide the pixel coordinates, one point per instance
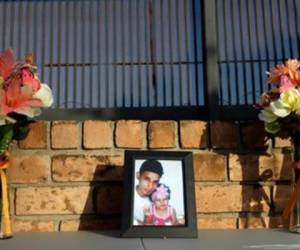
(5, 225)
(294, 219)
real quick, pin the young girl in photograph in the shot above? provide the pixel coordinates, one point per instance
(160, 213)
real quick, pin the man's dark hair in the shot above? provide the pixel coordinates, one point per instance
(152, 166)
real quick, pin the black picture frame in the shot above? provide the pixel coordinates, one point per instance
(189, 228)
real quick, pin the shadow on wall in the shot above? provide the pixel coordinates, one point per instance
(265, 178)
(102, 209)
(105, 174)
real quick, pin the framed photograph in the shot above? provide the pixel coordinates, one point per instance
(159, 195)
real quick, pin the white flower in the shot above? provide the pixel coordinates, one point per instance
(30, 112)
(45, 95)
(267, 115)
(288, 102)
(4, 119)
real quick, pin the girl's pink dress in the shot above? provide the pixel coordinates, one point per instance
(161, 221)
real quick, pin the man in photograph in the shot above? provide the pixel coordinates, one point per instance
(148, 178)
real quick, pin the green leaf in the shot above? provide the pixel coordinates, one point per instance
(20, 132)
(6, 135)
(272, 127)
(20, 127)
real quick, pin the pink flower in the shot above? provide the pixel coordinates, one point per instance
(18, 99)
(28, 79)
(285, 84)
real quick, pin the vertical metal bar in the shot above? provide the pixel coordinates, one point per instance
(131, 55)
(264, 34)
(188, 84)
(138, 26)
(109, 51)
(12, 23)
(171, 54)
(106, 55)
(83, 104)
(51, 52)
(163, 54)
(147, 40)
(196, 53)
(234, 53)
(43, 39)
(123, 52)
(19, 30)
(218, 17)
(179, 45)
(153, 50)
(35, 29)
(211, 76)
(67, 33)
(258, 49)
(98, 53)
(287, 17)
(296, 14)
(251, 53)
(4, 25)
(243, 51)
(273, 32)
(280, 30)
(59, 83)
(75, 53)
(28, 28)
(226, 49)
(91, 31)
(114, 54)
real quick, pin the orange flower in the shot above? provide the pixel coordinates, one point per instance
(290, 69)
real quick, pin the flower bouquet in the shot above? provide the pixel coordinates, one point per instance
(280, 111)
(281, 105)
(21, 97)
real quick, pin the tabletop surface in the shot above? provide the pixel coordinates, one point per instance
(107, 240)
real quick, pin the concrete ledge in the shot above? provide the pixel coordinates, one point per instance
(110, 240)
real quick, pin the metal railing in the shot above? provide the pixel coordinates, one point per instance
(153, 58)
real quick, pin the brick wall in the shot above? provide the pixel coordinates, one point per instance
(67, 175)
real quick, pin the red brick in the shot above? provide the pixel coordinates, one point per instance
(97, 134)
(260, 140)
(261, 222)
(37, 137)
(54, 200)
(209, 167)
(193, 134)
(217, 223)
(224, 134)
(109, 200)
(260, 167)
(87, 168)
(65, 134)
(281, 195)
(90, 224)
(29, 168)
(33, 226)
(283, 142)
(234, 198)
(162, 134)
(130, 134)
